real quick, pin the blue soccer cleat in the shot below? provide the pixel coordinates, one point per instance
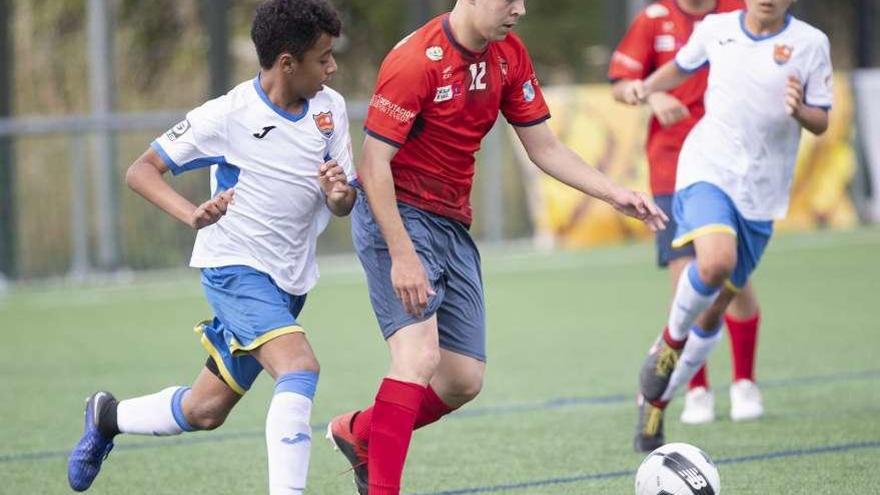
(86, 457)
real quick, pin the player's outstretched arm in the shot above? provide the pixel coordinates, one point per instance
(636, 91)
(338, 194)
(668, 109)
(668, 76)
(144, 177)
(407, 273)
(560, 162)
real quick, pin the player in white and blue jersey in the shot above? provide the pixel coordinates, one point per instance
(769, 76)
(279, 153)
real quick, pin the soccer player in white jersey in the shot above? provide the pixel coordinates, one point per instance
(280, 157)
(770, 75)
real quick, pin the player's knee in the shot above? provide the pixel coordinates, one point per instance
(208, 423)
(305, 362)
(206, 417)
(716, 271)
(468, 389)
(308, 363)
(463, 387)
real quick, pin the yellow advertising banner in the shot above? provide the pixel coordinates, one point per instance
(611, 137)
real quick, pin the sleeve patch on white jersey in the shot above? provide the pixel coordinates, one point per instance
(178, 130)
(324, 122)
(656, 10)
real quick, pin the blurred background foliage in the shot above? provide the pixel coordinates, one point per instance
(161, 45)
(161, 62)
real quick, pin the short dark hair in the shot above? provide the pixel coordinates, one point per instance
(291, 26)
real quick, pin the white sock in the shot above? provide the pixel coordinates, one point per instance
(697, 348)
(288, 434)
(159, 414)
(692, 297)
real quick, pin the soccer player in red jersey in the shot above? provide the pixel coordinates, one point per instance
(439, 92)
(653, 39)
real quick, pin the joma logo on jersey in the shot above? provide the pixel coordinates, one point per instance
(263, 132)
(782, 54)
(324, 121)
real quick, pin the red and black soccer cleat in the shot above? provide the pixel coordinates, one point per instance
(341, 436)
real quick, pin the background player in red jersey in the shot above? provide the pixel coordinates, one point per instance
(439, 92)
(653, 39)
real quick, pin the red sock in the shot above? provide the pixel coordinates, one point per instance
(743, 343)
(394, 415)
(432, 409)
(361, 426)
(701, 379)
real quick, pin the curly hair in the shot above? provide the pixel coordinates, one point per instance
(291, 26)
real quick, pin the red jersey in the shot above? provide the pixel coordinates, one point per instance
(436, 100)
(653, 39)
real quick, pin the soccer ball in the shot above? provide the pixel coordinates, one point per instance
(677, 469)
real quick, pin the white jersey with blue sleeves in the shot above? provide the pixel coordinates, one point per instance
(746, 144)
(271, 157)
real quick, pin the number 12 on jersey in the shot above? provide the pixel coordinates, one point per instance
(478, 73)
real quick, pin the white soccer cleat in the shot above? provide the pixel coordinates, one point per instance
(745, 401)
(699, 407)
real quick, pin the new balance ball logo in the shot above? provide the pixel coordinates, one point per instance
(689, 473)
(694, 478)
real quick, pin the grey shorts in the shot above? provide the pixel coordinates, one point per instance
(452, 263)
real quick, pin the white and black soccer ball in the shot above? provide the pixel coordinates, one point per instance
(678, 469)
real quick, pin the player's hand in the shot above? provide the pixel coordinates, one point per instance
(411, 283)
(638, 205)
(667, 108)
(634, 92)
(794, 95)
(210, 212)
(333, 181)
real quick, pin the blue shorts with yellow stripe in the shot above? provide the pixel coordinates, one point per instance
(249, 310)
(663, 238)
(703, 208)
